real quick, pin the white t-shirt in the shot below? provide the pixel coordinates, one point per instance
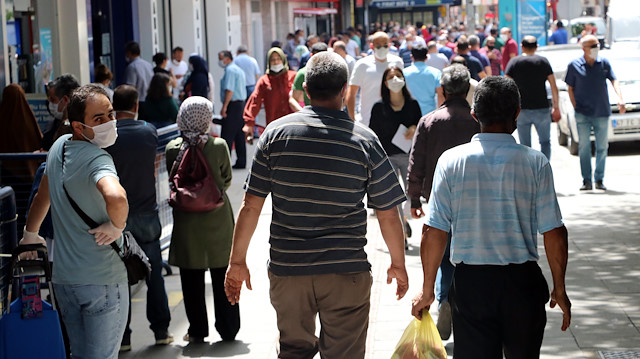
(352, 48)
(437, 60)
(179, 69)
(367, 74)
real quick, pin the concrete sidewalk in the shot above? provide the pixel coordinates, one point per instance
(603, 279)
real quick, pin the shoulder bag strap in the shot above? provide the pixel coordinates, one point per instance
(85, 217)
(176, 163)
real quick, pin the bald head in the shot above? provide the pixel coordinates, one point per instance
(380, 37)
(529, 44)
(590, 46)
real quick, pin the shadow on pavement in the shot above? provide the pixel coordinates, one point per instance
(219, 349)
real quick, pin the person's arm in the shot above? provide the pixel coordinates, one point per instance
(482, 74)
(432, 247)
(572, 96)
(172, 79)
(393, 234)
(227, 98)
(416, 170)
(115, 198)
(440, 96)
(238, 272)
(351, 100)
(39, 208)
(251, 110)
(297, 96)
(555, 113)
(556, 245)
(487, 70)
(621, 105)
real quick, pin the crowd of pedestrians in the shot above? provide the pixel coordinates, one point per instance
(401, 117)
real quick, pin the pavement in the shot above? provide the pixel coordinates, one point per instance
(603, 278)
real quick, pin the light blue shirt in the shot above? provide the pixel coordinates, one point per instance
(250, 67)
(422, 81)
(234, 81)
(494, 195)
(138, 74)
(79, 260)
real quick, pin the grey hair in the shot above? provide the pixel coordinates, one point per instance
(455, 80)
(326, 75)
(473, 40)
(242, 49)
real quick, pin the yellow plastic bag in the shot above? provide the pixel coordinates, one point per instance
(420, 340)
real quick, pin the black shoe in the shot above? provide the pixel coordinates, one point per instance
(600, 186)
(125, 344)
(238, 167)
(586, 186)
(407, 229)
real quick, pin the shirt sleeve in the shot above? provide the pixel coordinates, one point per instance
(130, 77)
(299, 80)
(252, 108)
(102, 166)
(259, 180)
(383, 189)
(440, 214)
(547, 208)
(570, 77)
(509, 70)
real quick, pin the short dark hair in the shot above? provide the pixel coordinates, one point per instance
(560, 24)
(102, 74)
(176, 49)
(326, 75)
(78, 101)
(159, 58)
(496, 100)
(158, 87)
(125, 98)
(133, 48)
(227, 54)
(455, 80)
(419, 52)
(318, 47)
(384, 90)
(64, 85)
(493, 31)
(462, 44)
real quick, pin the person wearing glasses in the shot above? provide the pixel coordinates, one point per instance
(586, 78)
(367, 77)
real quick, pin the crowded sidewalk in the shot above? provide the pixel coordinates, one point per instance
(602, 280)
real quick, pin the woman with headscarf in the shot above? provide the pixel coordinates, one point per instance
(272, 90)
(198, 82)
(201, 241)
(20, 131)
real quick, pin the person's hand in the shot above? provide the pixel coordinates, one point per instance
(622, 107)
(106, 233)
(236, 274)
(223, 112)
(422, 301)
(402, 280)
(248, 133)
(417, 212)
(410, 131)
(562, 300)
(555, 114)
(30, 238)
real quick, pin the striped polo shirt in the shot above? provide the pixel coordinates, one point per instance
(318, 165)
(494, 195)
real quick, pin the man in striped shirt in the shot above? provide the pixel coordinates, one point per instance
(495, 196)
(318, 164)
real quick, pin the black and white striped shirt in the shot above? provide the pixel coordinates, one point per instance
(318, 164)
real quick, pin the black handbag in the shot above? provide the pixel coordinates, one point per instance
(134, 258)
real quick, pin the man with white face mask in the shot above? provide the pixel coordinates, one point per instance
(510, 48)
(367, 77)
(58, 94)
(586, 78)
(90, 279)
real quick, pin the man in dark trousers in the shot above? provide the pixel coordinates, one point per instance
(530, 72)
(446, 127)
(495, 196)
(134, 155)
(233, 93)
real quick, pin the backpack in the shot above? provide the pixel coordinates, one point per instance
(193, 188)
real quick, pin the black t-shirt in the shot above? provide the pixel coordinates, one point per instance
(530, 73)
(134, 155)
(385, 122)
(474, 65)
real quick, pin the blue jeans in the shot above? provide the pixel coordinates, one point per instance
(541, 119)
(95, 317)
(146, 229)
(600, 127)
(444, 278)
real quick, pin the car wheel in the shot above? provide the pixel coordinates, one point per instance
(563, 139)
(573, 147)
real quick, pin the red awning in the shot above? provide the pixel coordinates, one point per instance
(315, 11)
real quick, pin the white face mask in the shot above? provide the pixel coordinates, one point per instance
(395, 84)
(381, 53)
(593, 53)
(53, 108)
(301, 40)
(222, 64)
(104, 135)
(504, 37)
(277, 68)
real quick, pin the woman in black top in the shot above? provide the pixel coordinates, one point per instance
(396, 108)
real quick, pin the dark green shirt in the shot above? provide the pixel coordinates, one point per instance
(162, 112)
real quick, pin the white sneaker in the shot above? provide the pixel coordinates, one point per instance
(444, 321)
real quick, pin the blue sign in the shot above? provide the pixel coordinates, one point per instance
(39, 108)
(532, 20)
(384, 4)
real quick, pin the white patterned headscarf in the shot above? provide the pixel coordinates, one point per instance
(194, 118)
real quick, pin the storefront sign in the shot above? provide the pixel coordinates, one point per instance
(38, 104)
(47, 55)
(408, 3)
(531, 20)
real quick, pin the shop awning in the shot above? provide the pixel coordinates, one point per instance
(311, 1)
(315, 11)
(407, 3)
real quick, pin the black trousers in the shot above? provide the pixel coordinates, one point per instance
(498, 308)
(227, 315)
(232, 131)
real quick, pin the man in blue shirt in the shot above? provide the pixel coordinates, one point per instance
(475, 66)
(233, 93)
(586, 78)
(250, 67)
(495, 195)
(560, 36)
(138, 72)
(423, 81)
